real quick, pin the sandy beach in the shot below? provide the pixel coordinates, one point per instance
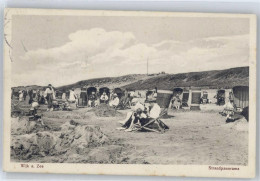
(195, 137)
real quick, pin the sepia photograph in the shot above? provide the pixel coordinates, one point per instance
(147, 92)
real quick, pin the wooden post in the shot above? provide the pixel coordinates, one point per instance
(147, 66)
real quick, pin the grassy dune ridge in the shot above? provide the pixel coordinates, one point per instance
(227, 78)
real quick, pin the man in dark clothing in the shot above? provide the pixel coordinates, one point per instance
(24, 94)
(30, 93)
(83, 97)
(92, 100)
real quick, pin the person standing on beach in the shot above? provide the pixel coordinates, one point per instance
(49, 93)
(25, 95)
(73, 97)
(20, 95)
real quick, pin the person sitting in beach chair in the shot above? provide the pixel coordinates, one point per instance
(66, 106)
(134, 117)
(176, 102)
(125, 102)
(142, 120)
(114, 101)
(104, 98)
(92, 102)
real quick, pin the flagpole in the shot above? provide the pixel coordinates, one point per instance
(147, 66)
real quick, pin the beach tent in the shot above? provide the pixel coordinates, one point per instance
(163, 100)
(149, 92)
(106, 90)
(178, 91)
(241, 96)
(83, 98)
(221, 97)
(124, 99)
(90, 90)
(185, 98)
(195, 98)
(177, 97)
(77, 92)
(205, 97)
(211, 93)
(120, 93)
(58, 94)
(148, 95)
(67, 94)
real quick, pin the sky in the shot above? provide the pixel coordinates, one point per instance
(65, 49)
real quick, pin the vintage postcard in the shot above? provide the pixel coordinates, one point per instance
(129, 93)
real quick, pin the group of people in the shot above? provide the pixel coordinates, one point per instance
(94, 100)
(22, 95)
(37, 97)
(141, 115)
(48, 96)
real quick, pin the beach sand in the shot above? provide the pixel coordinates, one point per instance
(194, 138)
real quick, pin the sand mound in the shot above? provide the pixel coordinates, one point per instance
(72, 138)
(27, 146)
(16, 110)
(22, 125)
(238, 125)
(81, 136)
(104, 110)
(241, 125)
(66, 115)
(107, 155)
